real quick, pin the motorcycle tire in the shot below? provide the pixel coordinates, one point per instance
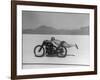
(62, 55)
(36, 50)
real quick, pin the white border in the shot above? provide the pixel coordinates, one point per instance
(21, 71)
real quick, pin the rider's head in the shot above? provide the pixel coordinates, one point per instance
(52, 38)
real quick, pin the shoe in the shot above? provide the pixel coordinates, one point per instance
(76, 46)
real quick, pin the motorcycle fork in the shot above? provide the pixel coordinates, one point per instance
(41, 47)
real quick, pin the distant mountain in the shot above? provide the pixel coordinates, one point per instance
(51, 30)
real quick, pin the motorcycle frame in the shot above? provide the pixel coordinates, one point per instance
(44, 44)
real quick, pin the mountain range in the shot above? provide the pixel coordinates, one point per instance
(51, 30)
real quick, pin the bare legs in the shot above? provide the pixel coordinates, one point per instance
(70, 45)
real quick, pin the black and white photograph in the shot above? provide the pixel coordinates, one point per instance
(55, 39)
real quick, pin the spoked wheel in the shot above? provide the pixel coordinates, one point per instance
(62, 53)
(38, 52)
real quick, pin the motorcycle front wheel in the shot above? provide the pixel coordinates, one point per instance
(63, 53)
(38, 52)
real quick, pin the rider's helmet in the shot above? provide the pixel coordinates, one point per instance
(52, 38)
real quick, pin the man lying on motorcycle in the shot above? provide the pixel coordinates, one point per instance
(59, 43)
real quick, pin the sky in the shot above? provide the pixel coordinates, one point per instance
(58, 20)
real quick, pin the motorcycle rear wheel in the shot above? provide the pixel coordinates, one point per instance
(64, 54)
(38, 53)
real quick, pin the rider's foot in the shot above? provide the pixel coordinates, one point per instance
(76, 46)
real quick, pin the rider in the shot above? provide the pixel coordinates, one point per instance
(59, 43)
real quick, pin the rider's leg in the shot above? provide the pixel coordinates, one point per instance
(61, 44)
(69, 45)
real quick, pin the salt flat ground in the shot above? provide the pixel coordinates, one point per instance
(81, 58)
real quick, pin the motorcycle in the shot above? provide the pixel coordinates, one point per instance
(47, 48)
